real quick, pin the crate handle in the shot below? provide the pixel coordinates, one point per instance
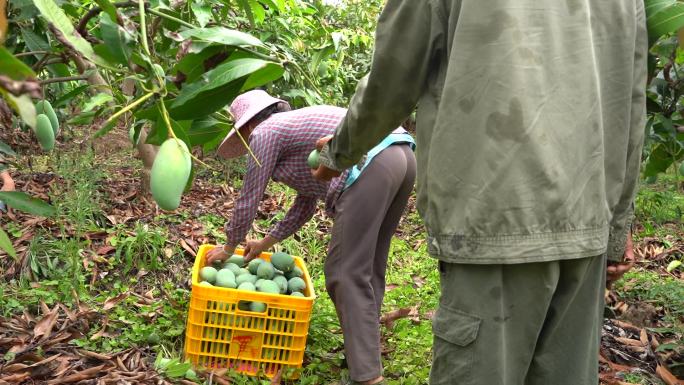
(238, 310)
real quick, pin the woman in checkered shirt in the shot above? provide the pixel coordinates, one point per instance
(366, 203)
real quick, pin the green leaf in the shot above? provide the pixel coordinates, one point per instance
(115, 39)
(66, 98)
(34, 42)
(220, 86)
(6, 244)
(202, 13)
(673, 265)
(108, 8)
(55, 15)
(222, 35)
(192, 65)
(4, 148)
(667, 20)
(269, 73)
(24, 202)
(22, 105)
(244, 4)
(207, 130)
(13, 67)
(654, 6)
(97, 101)
(257, 11)
(659, 160)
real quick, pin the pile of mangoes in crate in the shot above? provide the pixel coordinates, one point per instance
(279, 276)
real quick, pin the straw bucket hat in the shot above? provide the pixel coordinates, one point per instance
(244, 108)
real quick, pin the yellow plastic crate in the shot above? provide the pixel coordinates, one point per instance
(220, 335)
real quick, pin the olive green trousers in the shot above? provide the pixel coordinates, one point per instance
(522, 324)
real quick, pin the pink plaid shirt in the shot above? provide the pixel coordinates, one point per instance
(282, 144)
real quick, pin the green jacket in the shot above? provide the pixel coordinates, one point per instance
(530, 122)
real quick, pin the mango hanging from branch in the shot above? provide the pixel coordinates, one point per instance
(170, 173)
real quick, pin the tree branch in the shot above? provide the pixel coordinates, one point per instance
(64, 79)
(20, 87)
(82, 24)
(20, 54)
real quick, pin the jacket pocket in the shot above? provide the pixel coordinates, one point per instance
(454, 348)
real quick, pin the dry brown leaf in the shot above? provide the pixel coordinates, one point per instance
(104, 250)
(388, 319)
(626, 325)
(97, 356)
(111, 302)
(16, 378)
(667, 376)
(78, 376)
(47, 360)
(187, 248)
(628, 341)
(103, 331)
(276, 379)
(45, 325)
(643, 337)
(14, 368)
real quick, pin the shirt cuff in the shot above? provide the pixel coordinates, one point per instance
(325, 159)
(617, 240)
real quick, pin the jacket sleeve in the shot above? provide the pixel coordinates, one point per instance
(623, 212)
(301, 211)
(404, 43)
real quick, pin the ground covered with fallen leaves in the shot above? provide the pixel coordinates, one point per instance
(99, 294)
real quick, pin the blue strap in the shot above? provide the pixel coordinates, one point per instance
(393, 138)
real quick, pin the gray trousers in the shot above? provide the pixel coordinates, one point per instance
(524, 324)
(366, 216)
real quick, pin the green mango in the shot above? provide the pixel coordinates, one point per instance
(247, 286)
(268, 286)
(266, 270)
(44, 107)
(237, 259)
(208, 274)
(232, 267)
(297, 294)
(246, 278)
(205, 283)
(281, 281)
(282, 261)
(44, 133)
(296, 284)
(296, 272)
(226, 278)
(170, 173)
(312, 160)
(254, 265)
(257, 307)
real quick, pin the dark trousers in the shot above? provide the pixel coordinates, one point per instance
(366, 216)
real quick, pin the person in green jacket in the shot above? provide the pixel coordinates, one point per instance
(530, 124)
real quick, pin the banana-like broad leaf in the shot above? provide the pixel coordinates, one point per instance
(23, 202)
(55, 15)
(202, 13)
(654, 6)
(668, 19)
(660, 159)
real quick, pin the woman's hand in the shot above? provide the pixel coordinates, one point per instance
(254, 247)
(219, 253)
